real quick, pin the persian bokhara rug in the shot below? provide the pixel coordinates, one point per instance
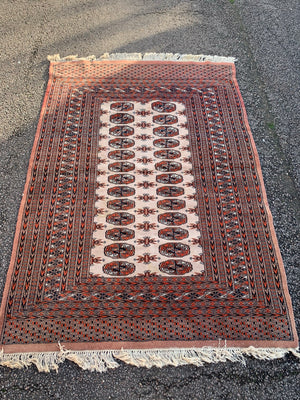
(144, 233)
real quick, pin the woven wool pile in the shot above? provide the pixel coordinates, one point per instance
(144, 232)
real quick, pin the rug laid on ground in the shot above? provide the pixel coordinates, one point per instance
(144, 233)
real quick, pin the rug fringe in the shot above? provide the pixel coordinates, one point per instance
(103, 360)
(198, 357)
(146, 57)
(45, 362)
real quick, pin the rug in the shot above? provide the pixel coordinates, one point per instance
(144, 232)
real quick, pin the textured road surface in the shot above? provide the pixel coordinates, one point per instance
(263, 35)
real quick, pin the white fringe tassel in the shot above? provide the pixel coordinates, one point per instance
(103, 360)
(146, 57)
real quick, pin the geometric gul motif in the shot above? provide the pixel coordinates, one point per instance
(146, 218)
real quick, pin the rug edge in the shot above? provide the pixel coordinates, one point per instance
(282, 269)
(145, 57)
(101, 361)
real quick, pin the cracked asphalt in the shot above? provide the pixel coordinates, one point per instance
(263, 35)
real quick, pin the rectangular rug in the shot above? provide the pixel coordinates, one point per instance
(144, 233)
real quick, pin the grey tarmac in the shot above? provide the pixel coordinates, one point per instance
(264, 36)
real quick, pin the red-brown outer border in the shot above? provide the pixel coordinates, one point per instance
(151, 344)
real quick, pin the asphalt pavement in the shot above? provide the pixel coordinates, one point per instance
(264, 36)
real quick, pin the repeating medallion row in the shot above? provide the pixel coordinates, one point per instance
(146, 211)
